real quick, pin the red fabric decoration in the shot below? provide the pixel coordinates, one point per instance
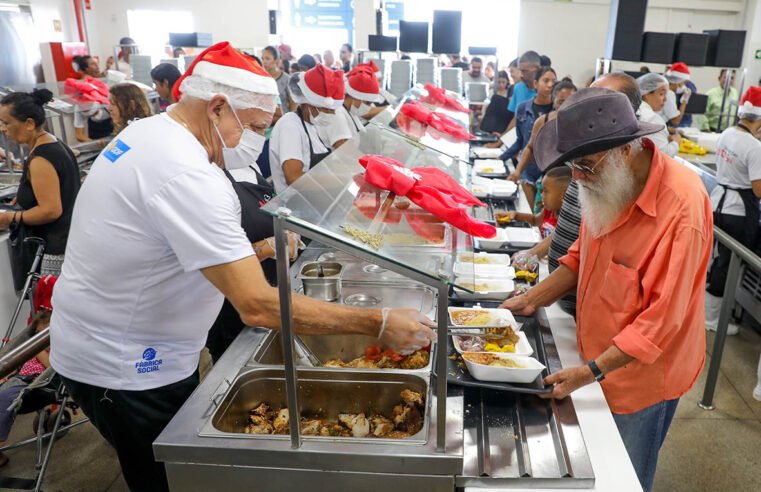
(421, 186)
(438, 96)
(86, 91)
(440, 122)
(43, 295)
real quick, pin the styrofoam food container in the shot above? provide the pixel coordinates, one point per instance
(498, 290)
(524, 375)
(484, 271)
(522, 237)
(522, 348)
(497, 317)
(492, 258)
(496, 166)
(495, 242)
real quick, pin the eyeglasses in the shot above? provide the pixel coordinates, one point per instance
(586, 169)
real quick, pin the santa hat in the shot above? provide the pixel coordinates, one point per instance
(321, 87)
(678, 72)
(222, 64)
(750, 104)
(362, 83)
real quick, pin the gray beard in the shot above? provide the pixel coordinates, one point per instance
(603, 201)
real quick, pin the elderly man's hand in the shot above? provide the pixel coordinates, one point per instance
(566, 381)
(520, 305)
(407, 330)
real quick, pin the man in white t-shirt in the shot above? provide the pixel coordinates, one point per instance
(735, 200)
(303, 138)
(156, 244)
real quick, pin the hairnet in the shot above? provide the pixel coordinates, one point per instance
(651, 82)
(294, 90)
(204, 89)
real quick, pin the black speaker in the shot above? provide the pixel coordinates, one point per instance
(626, 26)
(446, 33)
(413, 37)
(381, 43)
(482, 50)
(658, 47)
(190, 39)
(697, 104)
(273, 21)
(691, 49)
(725, 48)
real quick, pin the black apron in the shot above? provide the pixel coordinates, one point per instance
(314, 158)
(257, 225)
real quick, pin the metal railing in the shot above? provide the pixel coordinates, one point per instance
(740, 255)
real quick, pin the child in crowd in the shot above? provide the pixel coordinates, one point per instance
(554, 184)
(11, 386)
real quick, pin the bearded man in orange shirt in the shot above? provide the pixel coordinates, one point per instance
(638, 267)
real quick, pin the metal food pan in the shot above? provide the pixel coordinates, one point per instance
(345, 347)
(323, 393)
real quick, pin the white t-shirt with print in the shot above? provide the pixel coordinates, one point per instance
(288, 141)
(738, 162)
(132, 309)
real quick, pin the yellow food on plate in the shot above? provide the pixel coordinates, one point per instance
(476, 287)
(487, 169)
(492, 360)
(504, 219)
(493, 347)
(689, 147)
(478, 260)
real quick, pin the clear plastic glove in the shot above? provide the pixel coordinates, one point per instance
(686, 95)
(525, 260)
(294, 245)
(406, 330)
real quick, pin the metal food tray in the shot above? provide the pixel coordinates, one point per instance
(458, 375)
(323, 393)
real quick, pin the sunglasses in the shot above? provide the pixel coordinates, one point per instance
(584, 168)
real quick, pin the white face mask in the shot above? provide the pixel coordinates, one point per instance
(246, 152)
(680, 89)
(326, 123)
(361, 111)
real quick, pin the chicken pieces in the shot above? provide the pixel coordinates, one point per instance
(406, 421)
(416, 360)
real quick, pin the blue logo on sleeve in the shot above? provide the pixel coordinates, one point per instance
(115, 149)
(149, 362)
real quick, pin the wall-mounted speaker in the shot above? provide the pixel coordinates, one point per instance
(626, 26)
(725, 48)
(413, 37)
(273, 21)
(446, 32)
(381, 43)
(658, 47)
(691, 49)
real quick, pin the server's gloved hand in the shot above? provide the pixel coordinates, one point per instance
(686, 95)
(406, 330)
(294, 245)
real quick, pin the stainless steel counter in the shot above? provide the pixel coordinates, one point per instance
(494, 439)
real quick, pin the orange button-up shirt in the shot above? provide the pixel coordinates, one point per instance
(642, 285)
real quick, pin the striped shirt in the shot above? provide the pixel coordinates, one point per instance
(566, 233)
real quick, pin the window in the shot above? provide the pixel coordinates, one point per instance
(313, 26)
(150, 29)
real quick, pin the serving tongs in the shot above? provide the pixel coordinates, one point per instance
(304, 353)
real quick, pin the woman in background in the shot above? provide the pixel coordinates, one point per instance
(127, 104)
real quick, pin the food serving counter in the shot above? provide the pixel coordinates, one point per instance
(236, 430)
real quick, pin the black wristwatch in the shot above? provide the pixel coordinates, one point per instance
(596, 372)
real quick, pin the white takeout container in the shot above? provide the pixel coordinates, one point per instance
(497, 167)
(484, 271)
(493, 259)
(522, 347)
(497, 317)
(498, 290)
(487, 152)
(524, 375)
(522, 237)
(494, 243)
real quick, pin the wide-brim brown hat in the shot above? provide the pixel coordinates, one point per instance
(591, 120)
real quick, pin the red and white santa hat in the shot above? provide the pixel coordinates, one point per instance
(750, 104)
(678, 72)
(221, 69)
(321, 87)
(362, 83)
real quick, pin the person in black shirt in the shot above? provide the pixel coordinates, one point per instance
(346, 54)
(50, 178)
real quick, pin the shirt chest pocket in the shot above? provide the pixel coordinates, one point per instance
(621, 289)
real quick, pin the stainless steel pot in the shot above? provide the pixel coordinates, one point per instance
(322, 279)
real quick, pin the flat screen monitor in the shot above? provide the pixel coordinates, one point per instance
(381, 43)
(413, 37)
